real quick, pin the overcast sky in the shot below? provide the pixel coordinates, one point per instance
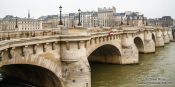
(151, 8)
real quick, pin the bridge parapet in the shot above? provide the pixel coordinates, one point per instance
(150, 28)
(75, 34)
(7, 35)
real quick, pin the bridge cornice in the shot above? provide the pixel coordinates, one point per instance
(26, 41)
(79, 37)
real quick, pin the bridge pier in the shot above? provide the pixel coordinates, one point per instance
(149, 45)
(166, 37)
(75, 66)
(173, 34)
(170, 34)
(159, 42)
(159, 39)
(130, 53)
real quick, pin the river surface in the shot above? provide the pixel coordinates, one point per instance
(153, 70)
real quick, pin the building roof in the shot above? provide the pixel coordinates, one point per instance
(119, 14)
(12, 18)
(166, 17)
(71, 14)
(42, 17)
(48, 17)
(93, 13)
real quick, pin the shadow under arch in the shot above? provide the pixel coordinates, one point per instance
(105, 54)
(153, 37)
(139, 44)
(38, 76)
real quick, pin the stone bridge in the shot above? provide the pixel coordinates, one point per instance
(61, 58)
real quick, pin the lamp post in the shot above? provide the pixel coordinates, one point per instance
(127, 20)
(146, 22)
(143, 20)
(79, 23)
(121, 23)
(60, 23)
(132, 20)
(16, 26)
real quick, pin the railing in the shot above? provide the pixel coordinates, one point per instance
(7, 35)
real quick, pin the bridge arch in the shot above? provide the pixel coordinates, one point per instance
(37, 75)
(50, 65)
(139, 44)
(106, 53)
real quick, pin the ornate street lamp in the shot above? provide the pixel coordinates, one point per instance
(127, 20)
(146, 22)
(132, 20)
(60, 23)
(143, 20)
(79, 23)
(121, 23)
(16, 26)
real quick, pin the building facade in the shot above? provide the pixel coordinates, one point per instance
(89, 19)
(73, 20)
(130, 18)
(66, 20)
(0, 23)
(106, 17)
(155, 22)
(103, 17)
(165, 21)
(50, 21)
(15, 23)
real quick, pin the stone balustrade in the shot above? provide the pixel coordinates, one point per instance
(8, 35)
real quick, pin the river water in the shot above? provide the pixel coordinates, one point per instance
(153, 70)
